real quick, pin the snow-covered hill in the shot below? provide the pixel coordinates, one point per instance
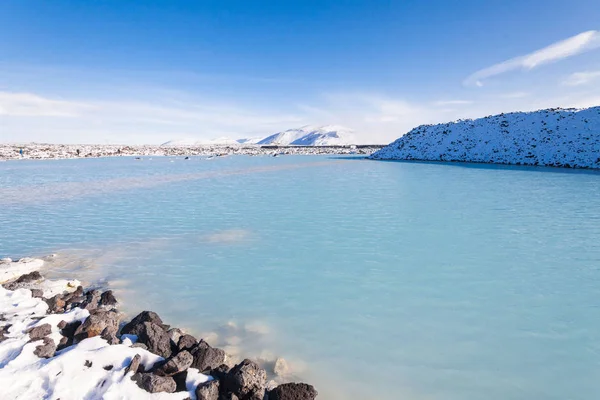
(308, 135)
(553, 137)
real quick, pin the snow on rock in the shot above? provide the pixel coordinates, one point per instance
(11, 270)
(91, 369)
(308, 135)
(552, 137)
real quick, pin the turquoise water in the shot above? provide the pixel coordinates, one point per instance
(375, 280)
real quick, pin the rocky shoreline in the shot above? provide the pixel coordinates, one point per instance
(45, 323)
(38, 151)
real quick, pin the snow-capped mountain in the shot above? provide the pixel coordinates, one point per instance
(553, 137)
(308, 135)
(253, 140)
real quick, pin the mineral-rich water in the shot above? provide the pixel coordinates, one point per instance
(374, 280)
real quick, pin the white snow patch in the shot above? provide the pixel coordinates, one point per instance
(10, 270)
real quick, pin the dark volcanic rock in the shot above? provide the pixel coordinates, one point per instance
(56, 304)
(23, 281)
(140, 346)
(96, 323)
(186, 342)
(37, 293)
(108, 334)
(174, 365)
(208, 390)
(134, 365)
(135, 325)
(155, 337)
(293, 391)
(64, 343)
(92, 298)
(206, 357)
(45, 350)
(154, 383)
(220, 372)
(246, 380)
(228, 396)
(108, 299)
(40, 331)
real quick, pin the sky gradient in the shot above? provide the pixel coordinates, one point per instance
(153, 71)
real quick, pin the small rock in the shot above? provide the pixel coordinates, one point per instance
(63, 343)
(154, 383)
(37, 293)
(155, 337)
(176, 364)
(206, 357)
(293, 391)
(70, 328)
(62, 324)
(108, 299)
(135, 325)
(246, 380)
(108, 367)
(134, 365)
(45, 350)
(87, 364)
(56, 304)
(40, 331)
(208, 390)
(186, 342)
(108, 334)
(96, 323)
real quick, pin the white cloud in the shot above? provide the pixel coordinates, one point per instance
(32, 105)
(572, 46)
(30, 117)
(582, 78)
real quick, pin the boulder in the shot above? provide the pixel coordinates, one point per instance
(108, 299)
(96, 323)
(92, 298)
(40, 331)
(37, 293)
(140, 346)
(228, 396)
(206, 357)
(134, 365)
(155, 338)
(220, 372)
(154, 383)
(145, 316)
(293, 391)
(174, 365)
(108, 334)
(208, 390)
(186, 342)
(45, 350)
(246, 380)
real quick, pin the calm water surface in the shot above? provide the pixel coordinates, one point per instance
(375, 280)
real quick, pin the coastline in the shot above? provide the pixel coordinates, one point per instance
(35, 151)
(59, 339)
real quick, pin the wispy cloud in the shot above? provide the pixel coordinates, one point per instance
(582, 78)
(572, 46)
(32, 105)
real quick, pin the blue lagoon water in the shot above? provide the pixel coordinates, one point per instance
(374, 280)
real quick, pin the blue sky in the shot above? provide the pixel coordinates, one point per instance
(152, 71)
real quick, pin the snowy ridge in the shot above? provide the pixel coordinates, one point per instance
(196, 142)
(552, 137)
(308, 135)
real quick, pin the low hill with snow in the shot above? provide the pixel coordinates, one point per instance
(308, 135)
(197, 142)
(553, 137)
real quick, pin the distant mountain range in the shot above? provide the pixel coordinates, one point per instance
(308, 135)
(553, 137)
